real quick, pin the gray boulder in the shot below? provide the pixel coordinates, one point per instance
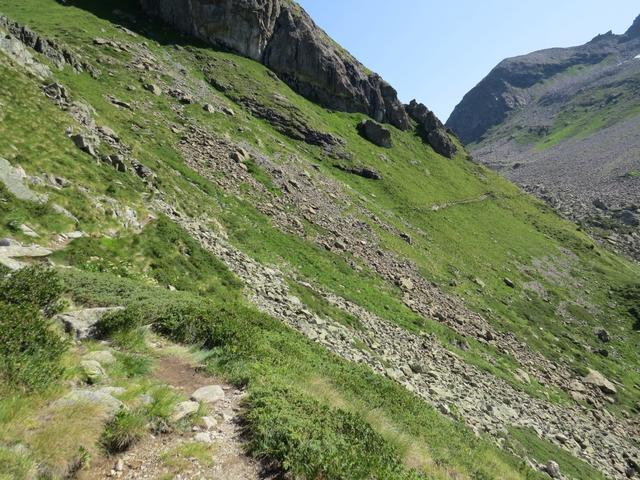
(100, 397)
(104, 357)
(183, 410)
(80, 324)
(208, 394)
(598, 380)
(375, 133)
(93, 371)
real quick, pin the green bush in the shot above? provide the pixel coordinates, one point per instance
(36, 285)
(30, 351)
(124, 431)
(311, 440)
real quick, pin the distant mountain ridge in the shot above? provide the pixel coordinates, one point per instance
(563, 122)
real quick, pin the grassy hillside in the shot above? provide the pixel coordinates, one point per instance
(533, 276)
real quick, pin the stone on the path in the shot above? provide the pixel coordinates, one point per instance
(28, 231)
(208, 394)
(209, 423)
(597, 379)
(104, 357)
(100, 397)
(93, 371)
(81, 323)
(183, 410)
(203, 437)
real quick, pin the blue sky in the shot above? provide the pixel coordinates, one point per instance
(436, 51)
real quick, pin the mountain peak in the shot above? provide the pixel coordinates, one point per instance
(634, 30)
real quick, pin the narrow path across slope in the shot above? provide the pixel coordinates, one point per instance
(205, 453)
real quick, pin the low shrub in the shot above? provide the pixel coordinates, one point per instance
(126, 429)
(35, 285)
(30, 351)
(312, 440)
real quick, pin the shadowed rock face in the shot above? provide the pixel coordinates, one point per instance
(507, 87)
(634, 30)
(279, 34)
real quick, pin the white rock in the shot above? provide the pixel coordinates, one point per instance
(209, 423)
(208, 394)
(184, 409)
(105, 357)
(204, 437)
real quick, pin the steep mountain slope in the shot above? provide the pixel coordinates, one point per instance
(564, 123)
(390, 312)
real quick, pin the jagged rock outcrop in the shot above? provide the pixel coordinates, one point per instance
(634, 30)
(431, 129)
(375, 133)
(283, 37)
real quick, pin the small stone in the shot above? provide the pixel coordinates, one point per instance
(479, 282)
(203, 437)
(184, 409)
(119, 465)
(104, 357)
(208, 394)
(209, 423)
(28, 231)
(522, 376)
(208, 108)
(509, 283)
(93, 371)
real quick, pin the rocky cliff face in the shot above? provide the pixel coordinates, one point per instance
(279, 34)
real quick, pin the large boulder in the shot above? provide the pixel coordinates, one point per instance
(598, 380)
(280, 34)
(431, 129)
(80, 324)
(102, 397)
(93, 371)
(375, 133)
(208, 394)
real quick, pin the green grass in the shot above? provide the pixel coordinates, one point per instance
(126, 429)
(503, 236)
(528, 443)
(259, 352)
